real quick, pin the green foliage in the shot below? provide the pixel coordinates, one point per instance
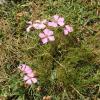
(68, 68)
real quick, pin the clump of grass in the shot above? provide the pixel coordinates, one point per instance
(67, 68)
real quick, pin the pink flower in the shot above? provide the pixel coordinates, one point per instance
(29, 75)
(57, 20)
(46, 36)
(67, 29)
(29, 80)
(25, 69)
(36, 25)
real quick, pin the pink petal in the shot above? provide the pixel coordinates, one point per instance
(39, 26)
(41, 35)
(69, 28)
(65, 32)
(27, 70)
(34, 80)
(55, 17)
(35, 26)
(29, 82)
(61, 21)
(26, 78)
(45, 40)
(31, 74)
(53, 24)
(24, 68)
(48, 32)
(51, 38)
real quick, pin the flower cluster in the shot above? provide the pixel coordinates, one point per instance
(48, 35)
(29, 75)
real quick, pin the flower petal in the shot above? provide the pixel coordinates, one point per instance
(31, 74)
(29, 82)
(55, 17)
(35, 25)
(69, 28)
(34, 80)
(27, 70)
(42, 26)
(61, 21)
(45, 40)
(48, 32)
(51, 38)
(26, 78)
(53, 24)
(65, 32)
(39, 26)
(42, 35)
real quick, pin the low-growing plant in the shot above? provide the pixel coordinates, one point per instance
(49, 50)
